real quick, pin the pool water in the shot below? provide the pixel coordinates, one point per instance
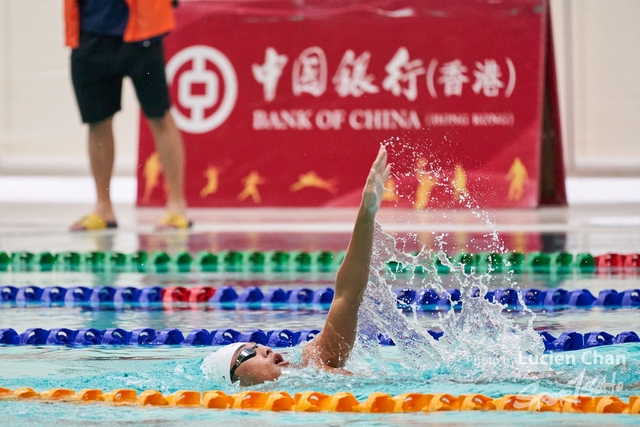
(172, 368)
(35, 414)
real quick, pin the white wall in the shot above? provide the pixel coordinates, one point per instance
(598, 68)
(40, 126)
(598, 64)
(607, 84)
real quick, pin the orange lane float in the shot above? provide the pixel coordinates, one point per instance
(634, 405)
(184, 398)
(378, 402)
(25, 393)
(58, 394)
(411, 402)
(121, 397)
(313, 401)
(216, 400)
(265, 401)
(88, 395)
(152, 398)
(475, 402)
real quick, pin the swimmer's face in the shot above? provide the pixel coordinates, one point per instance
(264, 366)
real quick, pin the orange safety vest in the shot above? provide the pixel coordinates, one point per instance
(147, 19)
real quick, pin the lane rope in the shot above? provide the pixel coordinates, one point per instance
(566, 341)
(557, 263)
(275, 298)
(338, 402)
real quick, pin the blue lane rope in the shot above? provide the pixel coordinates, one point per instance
(154, 297)
(567, 341)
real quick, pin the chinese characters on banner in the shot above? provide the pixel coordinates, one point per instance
(352, 78)
(277, 110)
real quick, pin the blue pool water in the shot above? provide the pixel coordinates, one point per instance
(176, 368)
(169, 369)
(388, 369)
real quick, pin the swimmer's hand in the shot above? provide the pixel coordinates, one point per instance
(374, 189)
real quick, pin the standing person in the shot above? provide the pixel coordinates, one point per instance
(112, 39)
(251, 364)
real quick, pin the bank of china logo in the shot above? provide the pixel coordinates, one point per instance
(198, 74)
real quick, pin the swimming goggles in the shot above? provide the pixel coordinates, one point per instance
(246, 354)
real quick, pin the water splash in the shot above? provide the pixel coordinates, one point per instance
(479, 343)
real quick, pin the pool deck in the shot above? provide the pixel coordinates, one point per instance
(35, 212)
(37, 226)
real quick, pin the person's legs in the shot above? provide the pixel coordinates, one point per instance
(101, 157)
(169, 145)
(98, 85)
(146, 68)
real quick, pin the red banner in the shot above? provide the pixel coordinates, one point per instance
(286, 105)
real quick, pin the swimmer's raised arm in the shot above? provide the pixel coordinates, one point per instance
(251, 364)
(333, 345)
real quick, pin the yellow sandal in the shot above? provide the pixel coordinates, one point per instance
(175, 221)
(92, 222)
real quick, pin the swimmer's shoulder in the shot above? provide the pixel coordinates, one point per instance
(339, 371)
(311, 357)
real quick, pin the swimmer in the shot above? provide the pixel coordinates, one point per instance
(250, 363)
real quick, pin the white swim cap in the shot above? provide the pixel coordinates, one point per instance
(217, 365)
